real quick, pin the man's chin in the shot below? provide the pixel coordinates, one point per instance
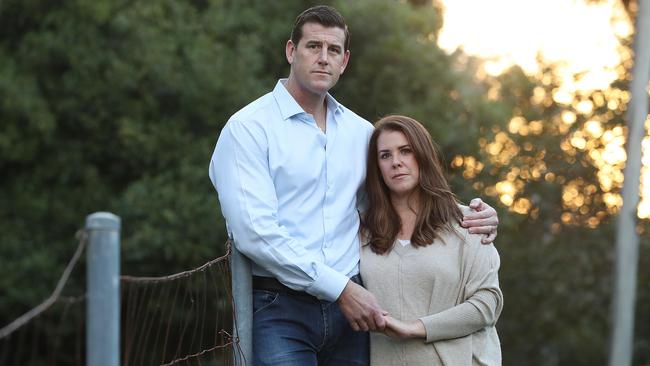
(318, 90)
(322, 87)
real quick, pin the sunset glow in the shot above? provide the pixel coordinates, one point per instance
(583, 43)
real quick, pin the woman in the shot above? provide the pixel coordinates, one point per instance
(437, 282)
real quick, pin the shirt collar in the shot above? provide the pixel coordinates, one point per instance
(289, 107)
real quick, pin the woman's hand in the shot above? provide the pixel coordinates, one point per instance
(396, 328)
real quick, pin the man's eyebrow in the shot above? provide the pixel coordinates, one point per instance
(334, 45)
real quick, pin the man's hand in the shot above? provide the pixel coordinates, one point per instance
(404, 329)
(361, 308)
(481, 220)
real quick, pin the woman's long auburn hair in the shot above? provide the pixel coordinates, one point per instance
(438, 207)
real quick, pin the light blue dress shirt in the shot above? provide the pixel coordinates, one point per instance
(289, 192)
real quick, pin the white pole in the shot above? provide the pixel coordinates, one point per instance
(627, 239)
(242, 293)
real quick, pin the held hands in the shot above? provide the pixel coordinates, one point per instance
(361, 308)
(481, 220)
(399, 329)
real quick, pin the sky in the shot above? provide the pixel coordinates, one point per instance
(584, 36)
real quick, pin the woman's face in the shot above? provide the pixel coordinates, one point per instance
(397, 163)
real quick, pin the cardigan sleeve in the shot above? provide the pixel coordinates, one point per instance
(482, 300)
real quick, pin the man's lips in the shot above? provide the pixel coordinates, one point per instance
(321, 72)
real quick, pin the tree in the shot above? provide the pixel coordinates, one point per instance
(117, 106)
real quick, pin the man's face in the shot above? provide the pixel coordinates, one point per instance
(318, 59)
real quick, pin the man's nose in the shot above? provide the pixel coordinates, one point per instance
(322, 56)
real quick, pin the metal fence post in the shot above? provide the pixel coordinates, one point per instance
(103, 292)
(627, 240)
(242, 293)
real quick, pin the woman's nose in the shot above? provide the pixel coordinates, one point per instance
(396, 161)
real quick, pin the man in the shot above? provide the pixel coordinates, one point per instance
(289, 169)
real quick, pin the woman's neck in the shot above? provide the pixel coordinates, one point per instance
(407, 209)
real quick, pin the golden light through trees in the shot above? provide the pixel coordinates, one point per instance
(577, 61)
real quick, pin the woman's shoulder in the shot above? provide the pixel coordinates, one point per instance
(472, 242)
(456, 232)
(364, 242)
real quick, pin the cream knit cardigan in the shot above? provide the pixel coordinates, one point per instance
(452, 286)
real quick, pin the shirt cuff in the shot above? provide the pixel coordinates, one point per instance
(329, 285)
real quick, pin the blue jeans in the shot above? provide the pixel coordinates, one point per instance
(302, 331)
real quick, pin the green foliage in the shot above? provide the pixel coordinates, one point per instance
(117, 105)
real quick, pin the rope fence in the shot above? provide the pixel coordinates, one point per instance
(183, 318)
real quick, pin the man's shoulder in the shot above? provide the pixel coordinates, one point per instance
(255, 109)
(356, 119)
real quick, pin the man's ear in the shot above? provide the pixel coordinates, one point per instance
(346, 58)
(289, 50)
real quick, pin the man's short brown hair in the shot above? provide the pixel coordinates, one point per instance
(324, 15)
